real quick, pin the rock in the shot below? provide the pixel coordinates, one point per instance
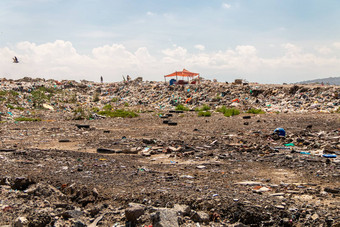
(332, 190)
(133, 212)
(200, 217)
(21, 183)
(182, 210)
(105, 151)
(315, 216)
(72, 214)
(164, 217)
(250, 183)
(95, 192)
(21, 222)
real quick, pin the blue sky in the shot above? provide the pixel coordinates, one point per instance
(268, 41)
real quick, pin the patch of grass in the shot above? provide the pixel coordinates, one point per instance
(27, 119)
(182, 107)
(3, 93)
(96, 97)
(39, 97)
(2, 122)
(95, 109)
(107, 107)
(338, 110)
(10, 106)
(203, 108)
(228, 112)
(204, 113)
(15, 107)
(115, 99)
(14, 93)
(126, 104)
(231, 112)
(80, 114)
(118, 113)
(255, 111)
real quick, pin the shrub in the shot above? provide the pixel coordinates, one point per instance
(126, 104)
(115, 99)
(203, 108)
(231, 112)
(118, 113)
(15, 107)
(255, 111)
(204, 113)
(228, 112)
(3, 93)
(27, 119)
(182, 107)
(222, 109)
(96, 97)
(95, 109)
(107, 107)
(80, 114)
(9, 106)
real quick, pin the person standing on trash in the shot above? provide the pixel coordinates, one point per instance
(101, 79)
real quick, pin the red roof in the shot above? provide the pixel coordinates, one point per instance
(184, 73)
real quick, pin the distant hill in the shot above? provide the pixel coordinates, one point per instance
(329, 80)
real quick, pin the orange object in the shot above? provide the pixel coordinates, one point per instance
(188, 100)
(184, 73)
(236, 100)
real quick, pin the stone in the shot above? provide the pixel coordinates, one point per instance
(182, 210)
(21, 183)
(134, 211)
(21, 222)
(200, 217)
(164, 217)
(72, 214)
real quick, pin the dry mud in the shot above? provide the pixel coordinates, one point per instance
(221, 171)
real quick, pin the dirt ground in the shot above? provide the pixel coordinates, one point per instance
(231, 168)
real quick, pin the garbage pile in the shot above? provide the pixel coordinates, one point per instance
(66, 96)
(65, 163)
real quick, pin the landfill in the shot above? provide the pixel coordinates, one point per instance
(147, 153)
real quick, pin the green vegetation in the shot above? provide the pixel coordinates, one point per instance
(228, 112)
(338, 110)
(126, 104)
(15, 107)
(118, 113)
(3, 93)
(9, 106)
(81, 114)
(95, 109)
(27, 119)
(96, 97)
(107, 107)
(231, 112)
(204, 113)
(255, 111)
(203, 108)
(14, 93)
(115, 99)
(182, 107)
(39, 97)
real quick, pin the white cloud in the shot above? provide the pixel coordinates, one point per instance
(226, 6)
(323, 50)
(150, 13)
(60, 60)
(200, 47)
(336, 45)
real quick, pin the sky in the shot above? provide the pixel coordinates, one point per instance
(265, 41)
